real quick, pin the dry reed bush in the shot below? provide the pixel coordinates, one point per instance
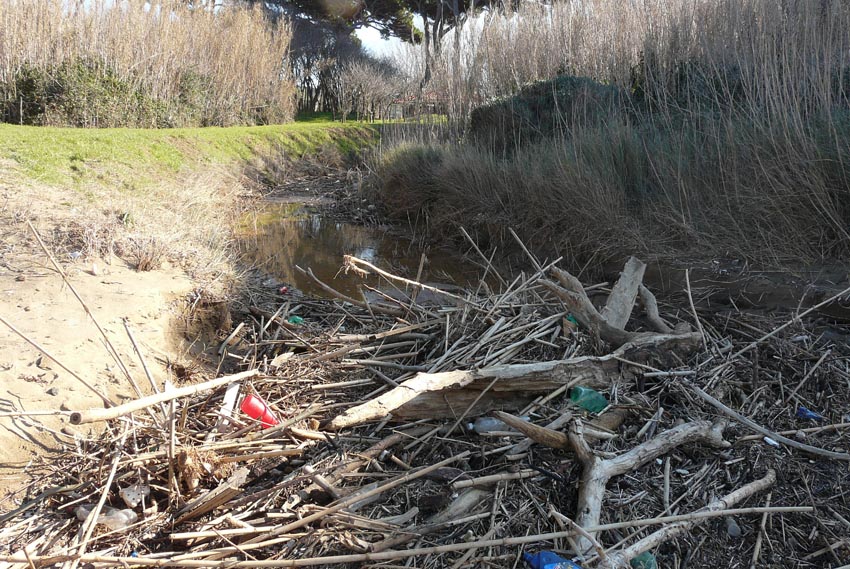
(772, 55)
(198, 66)
(732, 137)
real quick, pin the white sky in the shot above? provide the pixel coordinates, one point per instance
(372, 41)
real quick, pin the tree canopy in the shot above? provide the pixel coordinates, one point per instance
(391, 17)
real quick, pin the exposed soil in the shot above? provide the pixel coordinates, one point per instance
(36, 300)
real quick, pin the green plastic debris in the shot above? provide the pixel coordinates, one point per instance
(571, 318)
(588, 399)
(645, 560)
(295, 320)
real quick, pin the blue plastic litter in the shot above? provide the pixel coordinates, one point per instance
(808, 414)
(548, 560)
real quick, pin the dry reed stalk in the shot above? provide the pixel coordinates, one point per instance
(232, 59)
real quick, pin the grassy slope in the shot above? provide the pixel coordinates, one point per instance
(169, 194)
(133, 157)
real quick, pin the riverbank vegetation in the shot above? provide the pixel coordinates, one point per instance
(660, 127)
(133, 64)
(151, 195)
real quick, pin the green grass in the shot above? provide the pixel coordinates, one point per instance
(135, 157)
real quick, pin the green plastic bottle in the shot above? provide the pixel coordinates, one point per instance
(645, 560)
(588, 399)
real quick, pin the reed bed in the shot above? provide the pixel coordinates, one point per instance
(188, 65)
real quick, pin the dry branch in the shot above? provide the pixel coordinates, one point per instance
(94, 415)
(620, 559)
(570, 290)
(596, 472)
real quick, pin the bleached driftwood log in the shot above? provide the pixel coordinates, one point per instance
(610, 324)
(448, 394)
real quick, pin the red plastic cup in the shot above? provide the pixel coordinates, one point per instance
(257, 409)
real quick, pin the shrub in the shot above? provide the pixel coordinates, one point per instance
(542, 109)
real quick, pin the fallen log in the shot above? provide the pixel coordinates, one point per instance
(447, 394)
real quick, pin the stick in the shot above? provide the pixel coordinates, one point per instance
(757, 548)
(94, 415)
(758, 428)
(351, 260)
(694, 310)
(807, 376)
(493, 478)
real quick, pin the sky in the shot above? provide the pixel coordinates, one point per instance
(372, 41)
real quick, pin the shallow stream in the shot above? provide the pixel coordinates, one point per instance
(286, 235)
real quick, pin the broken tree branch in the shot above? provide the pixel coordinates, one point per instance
(620, 559)
(571, 292)
(618, 307)
(596, 472)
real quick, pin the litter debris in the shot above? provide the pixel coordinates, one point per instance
(257, 409)
(548, 560)
(483, 425)
(133, 495)
(772, 442)
(645, 560)
(588, 399)
(733, 530)
(112, 518)
(808, 415)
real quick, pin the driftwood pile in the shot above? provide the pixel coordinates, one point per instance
(702, 457)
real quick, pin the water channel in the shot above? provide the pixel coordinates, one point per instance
(285, 235)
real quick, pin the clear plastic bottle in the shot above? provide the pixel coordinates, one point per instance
(490, 424)
(588, 399)
(112, 518)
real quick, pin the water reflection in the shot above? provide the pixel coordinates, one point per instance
(284, 236)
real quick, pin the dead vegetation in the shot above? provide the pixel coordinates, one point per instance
(703, 455)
